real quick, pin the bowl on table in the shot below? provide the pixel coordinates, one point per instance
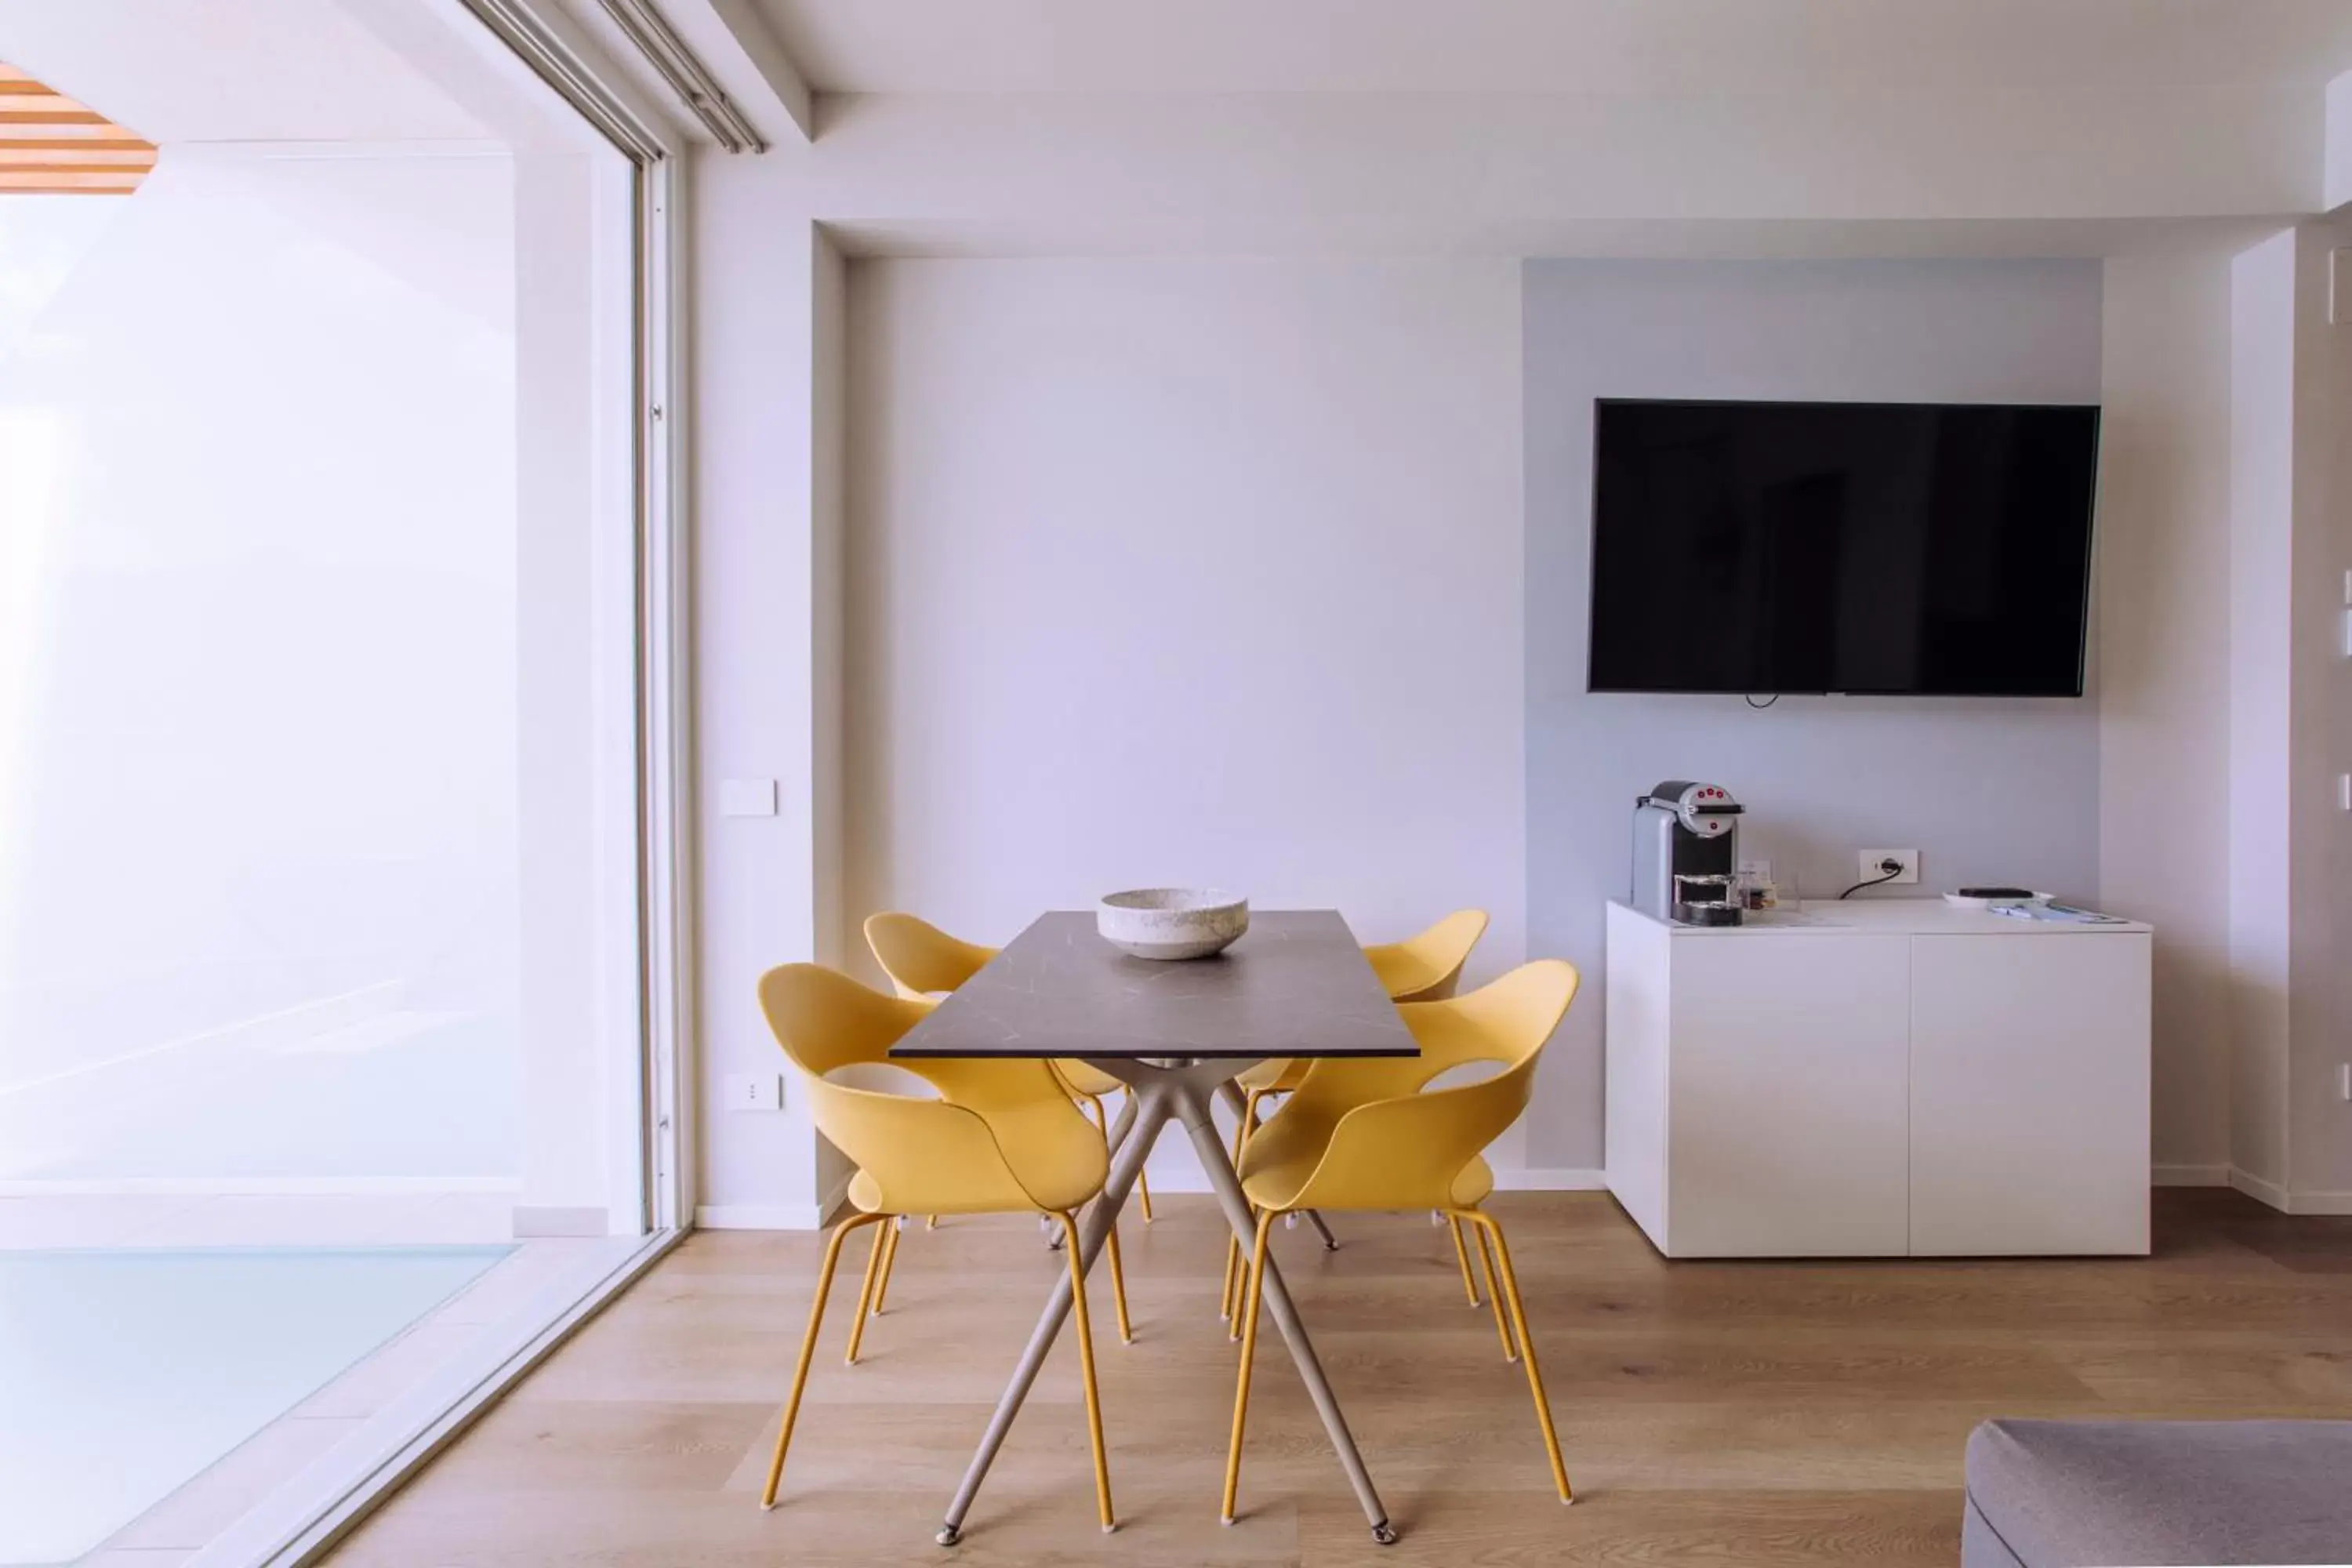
(1172, 923)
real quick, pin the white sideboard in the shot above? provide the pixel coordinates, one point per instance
(1879, 1078)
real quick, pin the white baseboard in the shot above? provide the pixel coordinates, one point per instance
(2188, 1175)
(543, 1220)
(2285, 1201)
(2260, 1191)
(258, 1186)
(1551, 1181)
(758, 1216)
(2319, 1202)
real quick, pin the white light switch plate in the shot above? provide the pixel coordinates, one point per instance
(747, 797)
(755, 1092)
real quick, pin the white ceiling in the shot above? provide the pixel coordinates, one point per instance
(230, 71)
(1553, 46)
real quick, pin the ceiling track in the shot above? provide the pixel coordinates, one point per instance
(516, 24)
(688, 77)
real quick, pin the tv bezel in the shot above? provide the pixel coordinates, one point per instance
(1593, 552)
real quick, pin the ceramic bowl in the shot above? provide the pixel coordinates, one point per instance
(1172, 923)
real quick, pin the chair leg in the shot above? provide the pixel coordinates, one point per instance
(1233, 1243)
(1229, 1302)
(889, 1261)
(1494, 1295)
(1225, 1285)
(1462, 1256)
(866, 1295)
(1253, 1293)
(1487, 1223)
(930, 1222)
(1119, 1288)
(808, 1351)
(1086, 1369)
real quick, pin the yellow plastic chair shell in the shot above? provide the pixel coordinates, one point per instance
(1422, 968)
(1426, 968)
(922, 960)
(1368, 1134)
(1003, 1137)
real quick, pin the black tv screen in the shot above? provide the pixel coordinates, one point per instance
(1762, 548)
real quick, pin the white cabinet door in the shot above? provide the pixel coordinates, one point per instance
(1788, 1093)
(2030, 1094)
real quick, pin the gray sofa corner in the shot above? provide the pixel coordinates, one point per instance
(2124, 1494)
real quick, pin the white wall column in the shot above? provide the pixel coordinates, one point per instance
(2291, 712)
(767, 508)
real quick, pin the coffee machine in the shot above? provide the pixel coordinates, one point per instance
(1686, 853)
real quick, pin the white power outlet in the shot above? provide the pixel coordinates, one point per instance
(2344, 1081)
(755, 1092)
(1873, 865)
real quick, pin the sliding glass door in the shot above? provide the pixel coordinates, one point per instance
(336, 934)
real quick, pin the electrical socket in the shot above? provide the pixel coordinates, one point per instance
(755, 1092)
(1873, 868)
(2344, 1081)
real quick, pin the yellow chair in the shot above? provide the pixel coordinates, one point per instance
(920, 960)
(1426, 968)
(1422, 968)
(1367, 1135)
(1002, 1138)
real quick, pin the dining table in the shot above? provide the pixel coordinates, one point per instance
(1295, 985)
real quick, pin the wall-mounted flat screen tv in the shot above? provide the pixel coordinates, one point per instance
(1891, 548)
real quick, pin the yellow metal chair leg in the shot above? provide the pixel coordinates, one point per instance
(808, 1351)
(889, 1261)
(1252, 1291)
(1535, 1376)
(1494, 1295)
(866, 1294)
(1462, 1256)
(1225, 1300)
(1229, 1302)
(930, 1222)
(1119, 1288)
(1086, 1369)
(1225, 1287)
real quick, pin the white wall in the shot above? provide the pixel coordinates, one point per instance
(1186, 571)
(2262, 640)
(766, 515)
(317, 736)
(1510, 174)
(2318, 1118)
(2165, 701)
(258, 716)
(1988, 791)
(2322, 1115)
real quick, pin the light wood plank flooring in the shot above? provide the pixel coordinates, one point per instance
(1714, 1413)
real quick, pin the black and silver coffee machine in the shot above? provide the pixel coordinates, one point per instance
(1687, 854)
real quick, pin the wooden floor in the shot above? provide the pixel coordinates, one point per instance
(1738, 1413)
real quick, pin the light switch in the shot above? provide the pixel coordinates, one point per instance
(747, 797)
(755, 1092)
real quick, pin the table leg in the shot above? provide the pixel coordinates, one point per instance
(1192, 1110)
(1153, 1104)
